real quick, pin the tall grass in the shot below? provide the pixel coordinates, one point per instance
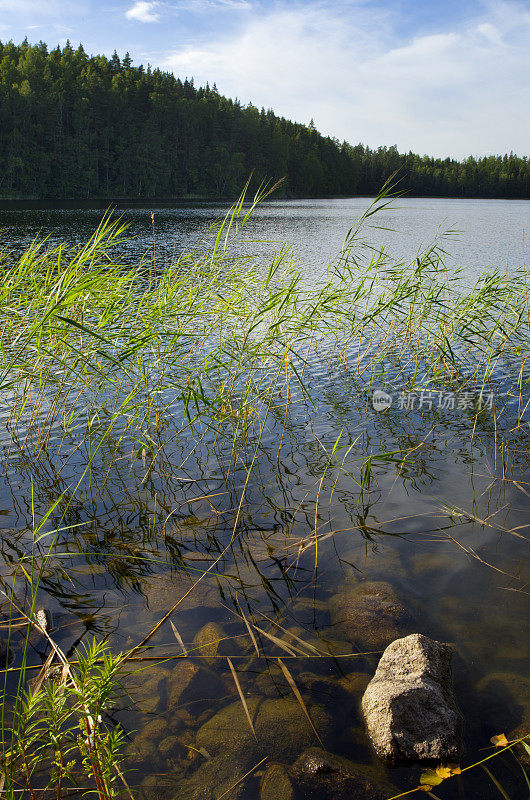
(88, 343)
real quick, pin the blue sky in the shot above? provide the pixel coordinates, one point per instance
(445, 78)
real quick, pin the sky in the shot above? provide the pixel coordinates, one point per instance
(445, 78)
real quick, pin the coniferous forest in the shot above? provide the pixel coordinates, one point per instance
(80, 126)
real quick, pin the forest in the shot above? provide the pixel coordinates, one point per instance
(81, 127)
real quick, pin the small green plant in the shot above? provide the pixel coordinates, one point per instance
(61, 736)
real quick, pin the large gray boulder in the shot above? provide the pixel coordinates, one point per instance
(409, 706)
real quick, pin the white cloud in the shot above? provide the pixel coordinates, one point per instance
(143, 11)
(458, 91)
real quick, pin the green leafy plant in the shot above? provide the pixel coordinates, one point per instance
(61, 736)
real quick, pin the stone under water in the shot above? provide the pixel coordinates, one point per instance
(319, 775)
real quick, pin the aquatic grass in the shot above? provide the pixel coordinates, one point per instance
(90, 338)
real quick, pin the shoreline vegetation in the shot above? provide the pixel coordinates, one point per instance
(83, 127)
(118, 203)
(113, 368)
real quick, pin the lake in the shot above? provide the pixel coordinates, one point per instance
(441, 535)
(486, 233)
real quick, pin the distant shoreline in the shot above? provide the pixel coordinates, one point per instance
(8, 203)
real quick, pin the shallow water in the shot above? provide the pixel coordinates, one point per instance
(447, 531)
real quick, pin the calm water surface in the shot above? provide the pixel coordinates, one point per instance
(438, 532)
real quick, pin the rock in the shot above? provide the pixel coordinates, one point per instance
(504, 699)
(519, 749)
(380, 564)
(209, 642)
(170, 747)
(272, 682)
(154, 729)
(191, 683)
(321, 687)
(319, 775)
(355, 683)
(276, 784)
(143, 751)
(409, 706)
(164, 591)
(214, 778)
(147, 686)
(370, 615)
(282, 731)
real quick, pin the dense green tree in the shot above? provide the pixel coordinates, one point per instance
(73, 125)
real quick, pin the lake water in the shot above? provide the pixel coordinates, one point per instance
(485, 233)
(445, 536)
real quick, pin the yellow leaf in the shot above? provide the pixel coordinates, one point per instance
(430, 778)
(433, 777)
(448, 770)
(500, 740)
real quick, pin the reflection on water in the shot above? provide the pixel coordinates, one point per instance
(441, 535)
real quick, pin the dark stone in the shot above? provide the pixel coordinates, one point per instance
(370, 615)
(213, 778)
(276, 784)
(319, 775)
(409, 705)
(191, 683)
(282, 731)
(504, 699)
(210, 644)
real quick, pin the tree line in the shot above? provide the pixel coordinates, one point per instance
(80, 126)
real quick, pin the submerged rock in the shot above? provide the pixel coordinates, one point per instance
(355, 683)
(276, 784)
(146, 687)
(282, 731)
(214, 778)
(164, 591)
(209, 643)
(191, 683)
(319, 775)
(381, 564)
(504, 699)
(409, 706)
(170, 747)
(370, 615)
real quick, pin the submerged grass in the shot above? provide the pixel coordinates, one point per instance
(104, 364)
